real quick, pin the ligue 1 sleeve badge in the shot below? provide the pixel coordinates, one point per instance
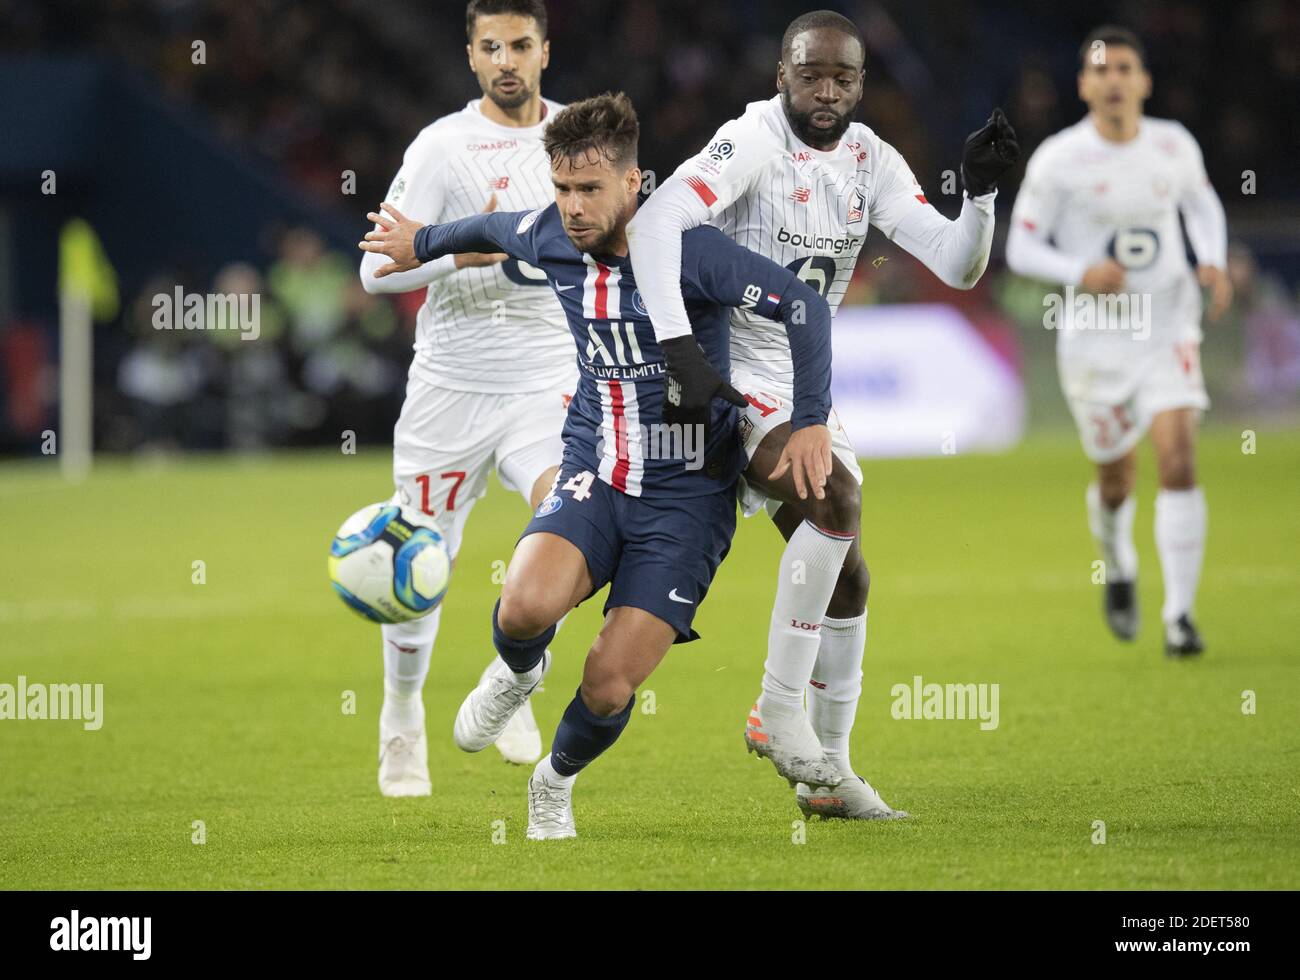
(720, 150)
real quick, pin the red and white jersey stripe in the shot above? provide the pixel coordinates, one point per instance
(601, 295)
(622, 459)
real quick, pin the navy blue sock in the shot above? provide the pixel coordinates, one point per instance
(583, 735)
(520, 655)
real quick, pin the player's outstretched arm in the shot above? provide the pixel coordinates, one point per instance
(419, 189)
(702, 188)
(955, 251)
(728, 273)
(654, 241)
(408, 244)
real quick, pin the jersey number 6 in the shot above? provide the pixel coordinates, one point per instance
(523, 274)
(1135, 248)
(817, 271)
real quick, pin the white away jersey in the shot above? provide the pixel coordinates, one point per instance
(804, 208)
(1095, 198)
(498, 328)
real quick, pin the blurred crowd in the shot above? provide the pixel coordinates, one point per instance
(322, 360)
(332, 85)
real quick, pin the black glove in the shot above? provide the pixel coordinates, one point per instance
(691, 385)
(990, 152)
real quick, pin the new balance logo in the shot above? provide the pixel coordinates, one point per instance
(801, 195)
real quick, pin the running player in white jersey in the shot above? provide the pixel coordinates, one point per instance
(1098, 212)
(494, 368)
(795, 180)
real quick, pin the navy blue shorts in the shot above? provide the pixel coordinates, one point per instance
(657, 554)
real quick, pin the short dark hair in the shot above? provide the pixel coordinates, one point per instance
(1109, 34)
(535, 9)
(605, 124)
(818, 19)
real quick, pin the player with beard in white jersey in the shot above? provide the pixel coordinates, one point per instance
(1098, 212)
(796, 180)
(494, 370)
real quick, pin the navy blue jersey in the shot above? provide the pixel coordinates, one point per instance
(615, 426)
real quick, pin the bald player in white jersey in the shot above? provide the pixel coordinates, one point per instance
(1098, 212)
(794, 180)
(494, 370)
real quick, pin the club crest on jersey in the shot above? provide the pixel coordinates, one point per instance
(549, 506)
(857, 206)
(638, 304)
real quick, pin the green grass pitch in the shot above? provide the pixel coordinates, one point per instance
(223, 701)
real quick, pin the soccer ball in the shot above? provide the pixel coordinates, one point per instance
(390, 563)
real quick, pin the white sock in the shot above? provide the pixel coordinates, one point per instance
(1113, 531)
(836, 686)
(1180, 539)
(544, 768)
(407, 649)
(810, 567)
(401, 712)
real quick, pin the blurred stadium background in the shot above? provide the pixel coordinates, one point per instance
(232, 175)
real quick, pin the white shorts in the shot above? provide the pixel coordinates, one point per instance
(769, 406)
(1114, 400)
(446, 443)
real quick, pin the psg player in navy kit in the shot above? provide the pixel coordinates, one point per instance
(645, 500)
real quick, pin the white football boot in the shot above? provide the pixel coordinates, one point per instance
(487, 710)
(852, 799)
(786, 736)
(550, 809)
(521, 742)
(403, 755)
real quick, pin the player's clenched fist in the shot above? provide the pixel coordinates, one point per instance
(692, 383)
(990, 152)
(395, 237)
